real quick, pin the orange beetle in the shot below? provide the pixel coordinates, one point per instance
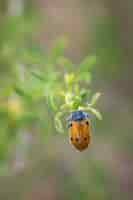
(79, 130)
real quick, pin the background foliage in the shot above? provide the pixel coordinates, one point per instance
(49, 66)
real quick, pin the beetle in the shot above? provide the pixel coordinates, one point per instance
(79, 130)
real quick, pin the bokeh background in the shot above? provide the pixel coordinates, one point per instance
(36, 162)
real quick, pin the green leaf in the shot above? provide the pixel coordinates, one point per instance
(38, 76)
(87, 63)
(85, 76)
(95, 112)
(94, 98)
(58, 123)
(65, 107)
(68, 97)
(52, 103)
(69, 78)
(22, 93)
(84, 94)
(76, 102)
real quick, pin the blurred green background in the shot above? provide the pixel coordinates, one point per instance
(36, 161)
